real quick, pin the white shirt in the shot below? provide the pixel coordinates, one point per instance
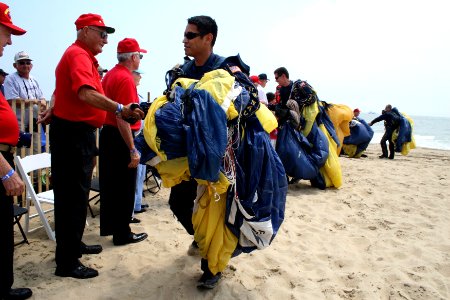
(262, 95)
(23, 88)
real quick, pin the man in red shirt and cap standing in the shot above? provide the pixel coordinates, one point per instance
(11, 184)
(79, 107)
(118, 156)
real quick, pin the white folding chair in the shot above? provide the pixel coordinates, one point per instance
(25, 166)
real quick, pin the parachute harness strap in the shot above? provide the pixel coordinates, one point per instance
(233, 141)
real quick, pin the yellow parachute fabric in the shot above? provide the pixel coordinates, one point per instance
(266, 118)
(215, 240)
(406, 147)
(340, 115)
(150, 129)
(331, 170)
(350, 150)
(309, 113)
(173, 171)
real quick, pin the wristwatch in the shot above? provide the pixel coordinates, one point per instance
(119, 110)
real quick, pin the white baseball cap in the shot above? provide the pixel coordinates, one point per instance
(22, 55)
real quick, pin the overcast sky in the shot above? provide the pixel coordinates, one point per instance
(361, 53)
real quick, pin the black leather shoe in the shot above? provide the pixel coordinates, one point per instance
(135, 220)
(140, 211)
(80, 272)
(91, 249)
(20, 293)
(144, 206)
(132, 238)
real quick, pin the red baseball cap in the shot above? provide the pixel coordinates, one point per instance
(92, 20)
(128, 45)
(5, 20)
(255, 79)
(356, 110)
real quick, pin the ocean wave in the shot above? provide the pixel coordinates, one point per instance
(426, 141)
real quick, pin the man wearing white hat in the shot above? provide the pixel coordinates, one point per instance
(22, 85)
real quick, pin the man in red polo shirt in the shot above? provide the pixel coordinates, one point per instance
(11, 184)
(118, 158)
(77, 110)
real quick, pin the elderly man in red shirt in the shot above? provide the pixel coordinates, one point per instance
(11, 184)
(79, 107)
(118, 158)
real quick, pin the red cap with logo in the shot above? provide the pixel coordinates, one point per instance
(92, 20)
(255, 79)
(5, 20)
(128, 45)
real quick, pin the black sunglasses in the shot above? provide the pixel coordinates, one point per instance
(21, 62)
(103, 34)
(191, 35)
(276, 77)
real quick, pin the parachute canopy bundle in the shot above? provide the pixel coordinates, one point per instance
(215, 131)
(309, 146)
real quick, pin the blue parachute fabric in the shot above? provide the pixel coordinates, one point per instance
(323, 118)
(293, 148)
(141, 145)
(241, 101)
(320, 149)
(206, 135)
(404, 131)
(360, 133)
(261, 182)
(169, 122)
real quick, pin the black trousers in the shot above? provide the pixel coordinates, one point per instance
(181, 202)
(73, 151)
(6, 236)
(387, 137)
(117, 184)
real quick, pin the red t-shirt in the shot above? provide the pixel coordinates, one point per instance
(119, 86)
(77, 68)
(9, 128)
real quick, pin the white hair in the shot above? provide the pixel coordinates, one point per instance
(121, 57)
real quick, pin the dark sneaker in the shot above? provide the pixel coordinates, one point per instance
(193, 249)
(208, 280)
(382, 156)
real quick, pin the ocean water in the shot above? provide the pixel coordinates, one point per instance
(429, 132)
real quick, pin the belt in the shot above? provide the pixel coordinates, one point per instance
(8, 148)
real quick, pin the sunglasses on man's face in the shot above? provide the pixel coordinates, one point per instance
(103, 34)
(21, 62)
(191, 35)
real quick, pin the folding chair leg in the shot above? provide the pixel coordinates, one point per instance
(90, 210)
(25, 240)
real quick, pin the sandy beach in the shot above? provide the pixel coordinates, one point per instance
(385, 234)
